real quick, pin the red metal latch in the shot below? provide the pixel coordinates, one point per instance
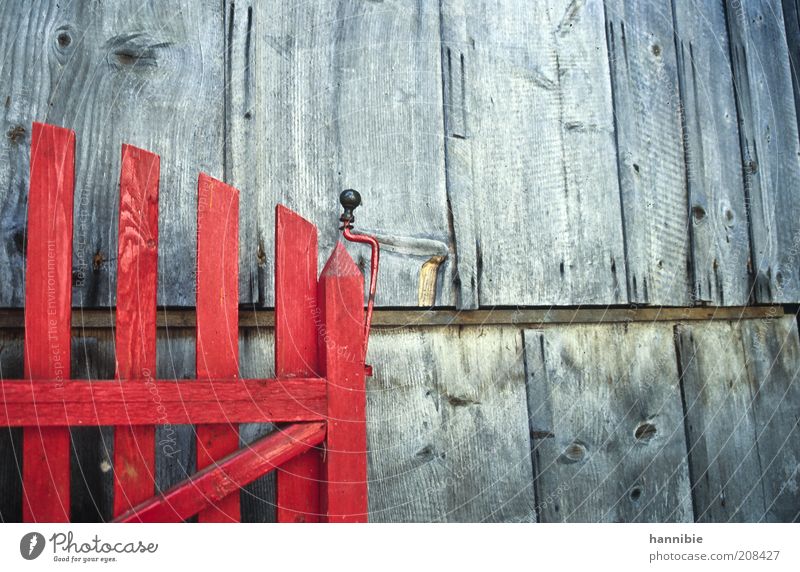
(350, 200)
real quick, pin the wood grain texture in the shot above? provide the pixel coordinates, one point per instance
(253, 319)
(449, 441)
(718, 229)
(176, 451)
(48, 297)
(123, 72)
(91, 463)
(206, 489)
(157, 402)
(723, 459)
(218, 321)
(740, 391)
(772, 352)
(791, 20)
(770, 148)
(344, 494)
(607, 426)
(137, 272)
(331, 95)
(256, 359)
(297, 323)
(650, 152)
(10, 438)
(458, 142)
(538, 114)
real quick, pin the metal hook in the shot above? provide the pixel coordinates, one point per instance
(350, 200)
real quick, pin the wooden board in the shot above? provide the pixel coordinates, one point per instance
(647, 110)
(536, 115)
(151, 76)
(10, 438)
(257, 358)
(741, 395)
(718, 229)
(213, 484)
(448, 442)
(325, 96)
(297, 327)
(176, 451)
(770, 147)
(344, 494)
(48, 296)
(92, 455)
(607, 426)
(217, 321)
(137, 272)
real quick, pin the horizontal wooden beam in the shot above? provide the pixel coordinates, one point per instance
(185, 318)
(149, 402)
(224, 477)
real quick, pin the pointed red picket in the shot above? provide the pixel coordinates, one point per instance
(296, 323)
(48, 298)
(137, 271)
(341, 345)
(217, 320)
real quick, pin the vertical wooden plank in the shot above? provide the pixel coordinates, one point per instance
(791, 20)
(120, 72)
(296, 329)
(92, 451)
(257, 361)
(607, 426)
(652, 173)
(723, 459)
(741, 395)
(137, 274)
(335, 95)
(11, 437)
(341, 347)
(720, 241)
(176, 453)
(772, 351)
(531, 84)
(217, 319)
(770, 148)
(458, 156)
(48, 297)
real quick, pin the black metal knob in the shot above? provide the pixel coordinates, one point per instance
(350, 200)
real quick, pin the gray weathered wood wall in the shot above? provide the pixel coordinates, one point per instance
(548, 153)
(523, 154)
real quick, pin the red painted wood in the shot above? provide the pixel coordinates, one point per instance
(296, 323)
(149, 402)
(137, 272)
(341, 299)
(219, 481)
(48, 297)
(217, 320)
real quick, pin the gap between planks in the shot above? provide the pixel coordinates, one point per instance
(185, 318)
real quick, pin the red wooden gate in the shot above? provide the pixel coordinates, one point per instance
(318, 392)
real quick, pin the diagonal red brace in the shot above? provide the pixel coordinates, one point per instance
(227, 475)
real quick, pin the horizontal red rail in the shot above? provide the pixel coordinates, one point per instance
(151, 402)
(217, 481)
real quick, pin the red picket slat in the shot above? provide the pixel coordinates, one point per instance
(319, 326)
(223, 479)
(48, 297)
(296, 322)
(217, 320)
(137, 274)
(341, 300)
